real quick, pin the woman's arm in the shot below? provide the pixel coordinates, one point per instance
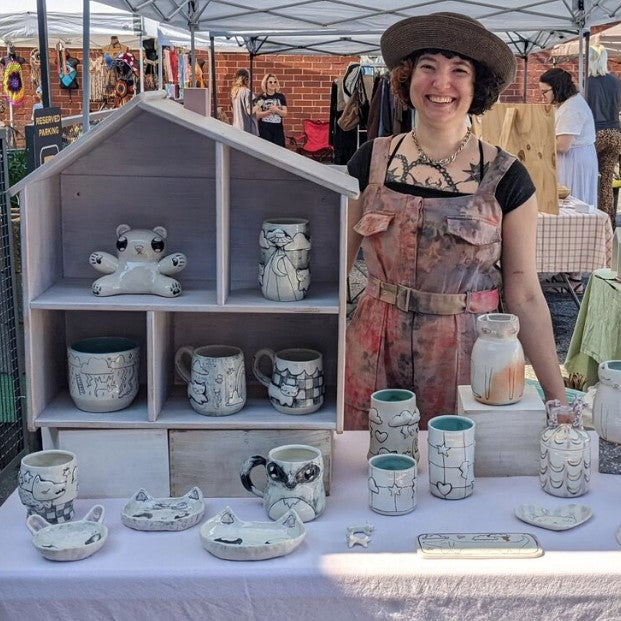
(354, 213)
(564, 142)
(524, 298)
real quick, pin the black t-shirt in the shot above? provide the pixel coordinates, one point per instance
(515, 188)
(265, 101)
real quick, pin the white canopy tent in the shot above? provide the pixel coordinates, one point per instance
(609, 38)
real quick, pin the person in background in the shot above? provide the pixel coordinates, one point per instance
(241, 100)
(38, 104)
(576, 159)
(603, 94)
(439, 210)
(270, 109)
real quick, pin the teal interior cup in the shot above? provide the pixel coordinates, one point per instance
(104, 345)
(450, 423)
(391, 395)
(392, 462)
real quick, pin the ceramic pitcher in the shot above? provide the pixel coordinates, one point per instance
(607, 402)
(565, 466)
(497, 360)
(393, 423)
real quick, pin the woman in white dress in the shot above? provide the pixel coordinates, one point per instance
(576, 158)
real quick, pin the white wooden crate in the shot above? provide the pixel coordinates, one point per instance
(507, 436)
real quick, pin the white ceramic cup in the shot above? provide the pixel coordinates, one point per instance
(284, 268)
(296, 385)
(451, 456)
(216, 380)
(294, 481)
(392, 484)
(393, 422)
(48, 484)
(103, 373)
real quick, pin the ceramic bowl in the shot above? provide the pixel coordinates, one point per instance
(228, 537)
(562, 191)
(70, 541)
(143, 512)
(558, 518)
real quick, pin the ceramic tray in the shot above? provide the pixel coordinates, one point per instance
(479, 545)
(70, 541)
(143, 512)
(558, 518)
(228, 537)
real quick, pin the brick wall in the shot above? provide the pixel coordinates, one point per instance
(305, 80)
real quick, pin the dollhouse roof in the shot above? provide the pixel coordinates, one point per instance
(158, 105)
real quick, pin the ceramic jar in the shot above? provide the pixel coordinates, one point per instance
(393, 423)
(607, 401)
(497, 360)
(565, 465)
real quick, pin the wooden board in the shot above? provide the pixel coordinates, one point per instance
(212, 459)
(527, 131)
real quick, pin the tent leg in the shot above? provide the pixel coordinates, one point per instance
(525, 90)
(46, 95)
(212, 66)
(86, 65)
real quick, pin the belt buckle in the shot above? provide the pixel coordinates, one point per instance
(387, 292)
(402, 301)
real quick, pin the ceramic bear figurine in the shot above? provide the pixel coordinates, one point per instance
(138, 267)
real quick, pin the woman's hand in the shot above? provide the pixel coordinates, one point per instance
(524, 298)
(564, 142)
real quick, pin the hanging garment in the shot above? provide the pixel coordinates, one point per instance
(432, 269)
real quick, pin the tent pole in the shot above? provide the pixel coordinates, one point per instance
(251, 56)
(46, 95)
(160, 63)
(86, 66)
(586, 61)
(212, 67)
(581, 58)
(141, 65)
(192, 54)
(525, 91)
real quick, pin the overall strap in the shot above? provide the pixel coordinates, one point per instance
(379, 160)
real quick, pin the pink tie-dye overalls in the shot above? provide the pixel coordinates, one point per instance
(419, 336)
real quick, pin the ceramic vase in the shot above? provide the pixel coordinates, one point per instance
(284, 268)
(607, 416)
(497, 360)
(393, 423)
(565, 465)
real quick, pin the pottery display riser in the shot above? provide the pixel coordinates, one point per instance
(507, 437)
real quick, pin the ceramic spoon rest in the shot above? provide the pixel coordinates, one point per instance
(70, 541)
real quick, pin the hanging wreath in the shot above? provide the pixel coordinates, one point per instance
(13, 83)
(35, 67)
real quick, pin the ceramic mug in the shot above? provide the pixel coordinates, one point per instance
(393, 423)
(294, 481)
(296, 385)
(103, 373)
(284, 268)
(451, 456)
(392, 484)
(217, 378)
(48, 484)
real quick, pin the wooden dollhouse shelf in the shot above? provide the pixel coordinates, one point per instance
(198, 296)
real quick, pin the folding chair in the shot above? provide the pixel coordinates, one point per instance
(314, 142)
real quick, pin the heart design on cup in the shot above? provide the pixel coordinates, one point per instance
(381, 435)
(444, 488)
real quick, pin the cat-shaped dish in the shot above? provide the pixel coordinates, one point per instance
(228, 537)
(143, 512)
(70, 541)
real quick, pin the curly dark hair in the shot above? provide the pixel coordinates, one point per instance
(561, 83)
(487, 85)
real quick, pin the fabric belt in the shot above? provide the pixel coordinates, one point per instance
(411, 300)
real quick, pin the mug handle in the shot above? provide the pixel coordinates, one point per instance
(266, 381)
(184, 371)
(35, 523)
(247, 466)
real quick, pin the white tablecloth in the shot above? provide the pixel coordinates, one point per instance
(150, 576)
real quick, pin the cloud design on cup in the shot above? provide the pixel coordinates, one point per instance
(374, 416)
(404, 418)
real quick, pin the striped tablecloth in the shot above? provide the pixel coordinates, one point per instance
(573, 241)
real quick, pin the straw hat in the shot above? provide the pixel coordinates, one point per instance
(452, 32)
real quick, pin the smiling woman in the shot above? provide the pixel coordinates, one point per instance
(439, 210)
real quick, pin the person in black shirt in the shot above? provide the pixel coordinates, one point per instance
(270, 108)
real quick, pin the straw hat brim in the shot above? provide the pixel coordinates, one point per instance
(452, 32)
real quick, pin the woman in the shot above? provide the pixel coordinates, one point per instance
(270, 109)
(438, 210)
(576, 159)
(241, 99)
(603, 94)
